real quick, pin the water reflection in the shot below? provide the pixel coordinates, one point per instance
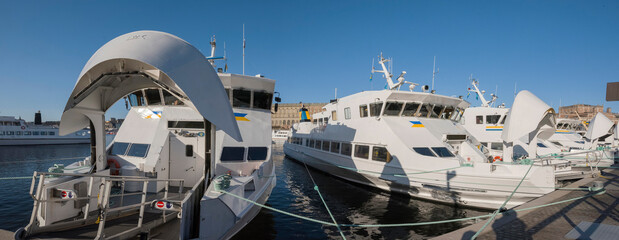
(349, 203)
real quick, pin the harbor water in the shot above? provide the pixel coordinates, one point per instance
(294, 193)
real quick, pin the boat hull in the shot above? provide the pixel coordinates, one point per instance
(43, 141)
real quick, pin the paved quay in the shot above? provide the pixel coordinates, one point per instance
(568, 220)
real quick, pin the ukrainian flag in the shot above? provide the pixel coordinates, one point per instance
(241, 117)
(417, 124)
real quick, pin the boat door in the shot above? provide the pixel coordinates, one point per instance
(186, 162)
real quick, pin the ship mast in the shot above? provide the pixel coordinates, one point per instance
(388, 76)
(480, 93)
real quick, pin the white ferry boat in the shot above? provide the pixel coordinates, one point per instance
(571, 159)
(193, 145)
(15, 131)
(410, 142)
(280, 136)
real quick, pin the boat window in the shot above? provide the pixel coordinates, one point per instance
(153, 97)
(541, 145)
(27, 133)
(410, 109)
(496, 146)
(170, 99)
(138, 150)
(43, 133)
(263, 100)
(362, 151)
(436, 111)
(119, 148)
(442, 152)
(393, 108)
(558, 144)
(257, 153)
(325, 145)
(333, 115)
(1, 133)
(136, 98)
(335, 147)
(580, 142)
(311, 143)
(232, 154)
(347, 113)
(326, 120)
(424, 110)
(424, 151)
(504, 117)
(493, 119)
(52, 133)
(186, 124)
(381, 154)
(19, 132)
(35, 133)
(375, 109)
(479, 119)
(447, 112)
(188, 150)
(317, 144)
(346, 149)
(241, 98)
(363, 110)
(320, 121)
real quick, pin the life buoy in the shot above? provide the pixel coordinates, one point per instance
(116, 169)
(497, 158)
(23, 127)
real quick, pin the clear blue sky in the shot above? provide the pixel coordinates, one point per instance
(560, 50)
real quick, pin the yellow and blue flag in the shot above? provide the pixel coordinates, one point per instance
(417, 124)
(241, 117)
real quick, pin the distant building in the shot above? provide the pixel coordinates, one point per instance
(585, 112)
(288, 114)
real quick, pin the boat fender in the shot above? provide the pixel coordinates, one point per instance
(116, 169)
(497, 158)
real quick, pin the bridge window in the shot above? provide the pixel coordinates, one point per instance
(447, 112)
(424, 151)
(263, 100)
(347, 113)
(232, 154)
(241, 98)
(257, 153)
(410, 109)
(170, 99)
(137, 98)
(381, 154)
(442, 152)
(393, 108)
(503, 120)
(425, 110)
(375, 109)
(119, 148)
(362, 151)
(346, 149)
(138, 150)
(493, 119)
(363, 110)
(436, 111)
(153, 96)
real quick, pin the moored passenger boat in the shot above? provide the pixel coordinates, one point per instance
(15, 131)
(410, 142)
(191, 139)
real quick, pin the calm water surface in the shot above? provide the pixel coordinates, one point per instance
(349, 203)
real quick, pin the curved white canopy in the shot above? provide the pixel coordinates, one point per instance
(145, 59)
(528, 115)
(599, 126)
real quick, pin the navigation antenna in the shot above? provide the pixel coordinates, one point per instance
(243, 48)
(388, 76)
(434, 72)
(480, 93)
(212, 58)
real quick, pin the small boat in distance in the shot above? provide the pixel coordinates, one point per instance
(15, 131)
(280, 136)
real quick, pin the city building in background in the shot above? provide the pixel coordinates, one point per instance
(586, 112)
(288, 113)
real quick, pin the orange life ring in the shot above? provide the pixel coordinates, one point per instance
(116, 169)
(497, 158)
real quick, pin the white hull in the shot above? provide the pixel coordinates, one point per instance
(42, 141)
(431, 190)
